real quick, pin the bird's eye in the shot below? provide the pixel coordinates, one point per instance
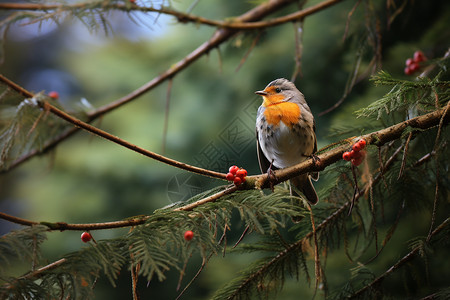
(278, 90)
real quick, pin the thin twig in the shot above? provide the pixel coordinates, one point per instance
(250, 49)
(389, 234)
(350, 14)
(351, 81)
(204, 262)
(235, 24)
(317, 266)
(242, 236)
(166, 116)
(356, 190)
(183, 271)
(39, 271)
(405, 152)
(211, 198)
(436, 193)
(298, 33)
(374, 217)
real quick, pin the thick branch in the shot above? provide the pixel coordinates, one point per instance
(378, 138)
(115, 224)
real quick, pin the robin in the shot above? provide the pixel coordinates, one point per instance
(285, 134)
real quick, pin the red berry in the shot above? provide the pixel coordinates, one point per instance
(238, 180)
(362, 143)
(356, 147)
(86, 237)
(419, 56)
(409, 61)
(230, 177)
(53, 94)
(188, 235)
(357, 161)
(233, 169)
(346, 156)
(408, 71)
(241, 173)
(414, 67)
(355, 154)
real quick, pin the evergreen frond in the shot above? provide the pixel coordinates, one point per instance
(408, 97)
(24, 126)
(21, 244)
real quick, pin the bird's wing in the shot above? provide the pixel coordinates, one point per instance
(264, 163)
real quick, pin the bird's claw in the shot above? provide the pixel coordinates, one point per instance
(272, 177)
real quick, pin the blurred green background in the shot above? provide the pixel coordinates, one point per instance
(211, 118)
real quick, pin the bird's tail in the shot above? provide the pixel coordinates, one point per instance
(304, 185)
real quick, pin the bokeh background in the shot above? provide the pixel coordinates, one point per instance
(211, 116)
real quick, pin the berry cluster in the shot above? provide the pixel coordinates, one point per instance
(237, 175)
(413, 64)
(86, 237)
(356, 155)
(188, 235)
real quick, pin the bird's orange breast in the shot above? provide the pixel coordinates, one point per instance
(286, 112)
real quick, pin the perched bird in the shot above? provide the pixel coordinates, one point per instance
(285, 134)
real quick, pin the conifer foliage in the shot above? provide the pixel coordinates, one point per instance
(362, 206)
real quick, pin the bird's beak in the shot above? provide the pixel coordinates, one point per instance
(261, 93)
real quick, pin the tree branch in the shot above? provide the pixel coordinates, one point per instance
(211, 198)
(17, 220)
(16, 87)
(235, 23)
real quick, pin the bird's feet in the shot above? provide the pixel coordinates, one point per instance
(271, 176)
(315, 159)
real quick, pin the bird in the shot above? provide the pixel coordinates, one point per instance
(285, 134)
